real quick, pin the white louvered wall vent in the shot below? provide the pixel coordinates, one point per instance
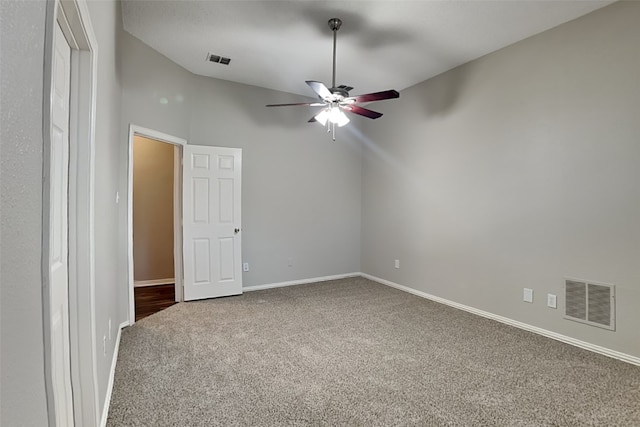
(590, 303)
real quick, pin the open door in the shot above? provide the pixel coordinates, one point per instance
(212, 222)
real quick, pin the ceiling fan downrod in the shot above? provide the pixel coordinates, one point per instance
(334, 24)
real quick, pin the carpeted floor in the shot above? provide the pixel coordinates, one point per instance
(354, 352)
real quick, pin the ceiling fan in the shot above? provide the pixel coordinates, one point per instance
(336, 100)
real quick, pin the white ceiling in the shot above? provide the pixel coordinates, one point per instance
(381, 45)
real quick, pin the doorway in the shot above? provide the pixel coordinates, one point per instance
(153, 225)
(154, 221)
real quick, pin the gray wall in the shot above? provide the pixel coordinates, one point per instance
(23, 33)
(147, 77)
(21, 351)
(301, 191)
(517, 170)
(107, 23)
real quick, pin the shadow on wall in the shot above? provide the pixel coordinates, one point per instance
(356, 26)
(441, 95)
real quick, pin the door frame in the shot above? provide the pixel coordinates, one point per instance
(178, 144)
(74, 19)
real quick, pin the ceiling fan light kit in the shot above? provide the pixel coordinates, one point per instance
(336, 100)
(334, 116)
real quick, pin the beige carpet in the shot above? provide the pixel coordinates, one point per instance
(354, 352)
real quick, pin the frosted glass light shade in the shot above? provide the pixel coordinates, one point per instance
(322, 117)
(338, 117)
(333, 115)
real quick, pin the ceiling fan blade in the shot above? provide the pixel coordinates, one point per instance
(377, 96)
(320, 89)
(356, 109)
(308, 104)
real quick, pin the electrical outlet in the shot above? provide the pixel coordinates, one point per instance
(109, 329)
(552, 301)
(397, 263)
(245, 266)
(528, 295)
(104, 344)
(290, 262)
(117, 197)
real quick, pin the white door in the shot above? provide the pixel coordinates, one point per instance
(58, 243)
(211, 222)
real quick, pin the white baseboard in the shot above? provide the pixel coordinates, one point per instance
(154, 282)
(299, 282)
(112, 374)
(549, 334)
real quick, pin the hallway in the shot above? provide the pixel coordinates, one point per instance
(152, 299)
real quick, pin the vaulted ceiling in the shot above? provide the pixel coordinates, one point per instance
(381, 45)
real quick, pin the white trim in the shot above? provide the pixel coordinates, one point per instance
(549, 334)
(85, 61)
(299, 282)
(177, 220)
(112, 374)
(76, 23)
(177, 223)
(154, 282)
(157, 135)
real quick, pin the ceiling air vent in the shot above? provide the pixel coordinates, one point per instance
(590, 303)
(218, 59)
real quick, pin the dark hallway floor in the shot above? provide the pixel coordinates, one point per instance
(152, 299)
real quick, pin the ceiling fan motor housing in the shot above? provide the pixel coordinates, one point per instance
(339, 91)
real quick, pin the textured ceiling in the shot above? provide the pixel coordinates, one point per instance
(381, 45)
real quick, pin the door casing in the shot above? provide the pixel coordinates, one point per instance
(178, 143)
(74, 20)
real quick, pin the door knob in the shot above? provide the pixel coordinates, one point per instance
(236, 231)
